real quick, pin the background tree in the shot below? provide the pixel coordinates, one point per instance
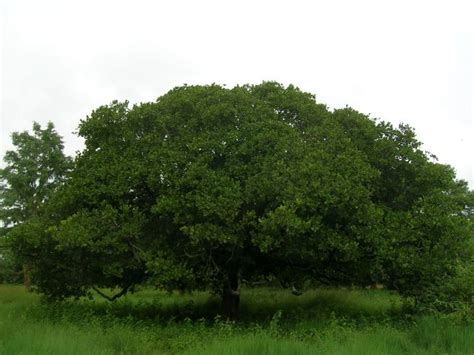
(33, 172)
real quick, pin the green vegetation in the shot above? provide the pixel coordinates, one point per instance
(209, 187)
(33, 173)
(177, 207)
(276, 322)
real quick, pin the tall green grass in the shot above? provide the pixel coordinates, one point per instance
(273, 322)
(420, 339)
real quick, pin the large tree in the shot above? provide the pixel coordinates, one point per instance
(208, 186)
(33, 171)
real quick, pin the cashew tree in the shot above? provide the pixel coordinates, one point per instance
(209, 186)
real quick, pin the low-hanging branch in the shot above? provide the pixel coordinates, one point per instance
(114, 297)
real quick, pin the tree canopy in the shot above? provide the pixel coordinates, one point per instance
(33, 172)
(209, 186)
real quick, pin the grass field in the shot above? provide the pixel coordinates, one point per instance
(273, 322)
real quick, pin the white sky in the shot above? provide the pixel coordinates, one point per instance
(401, 61)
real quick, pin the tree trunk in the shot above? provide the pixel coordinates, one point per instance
(26, 276)
(231, 298)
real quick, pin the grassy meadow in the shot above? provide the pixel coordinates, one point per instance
(273, 321)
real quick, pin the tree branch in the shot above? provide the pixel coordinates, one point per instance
(114, 297)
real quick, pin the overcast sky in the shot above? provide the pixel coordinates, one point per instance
(401, 61)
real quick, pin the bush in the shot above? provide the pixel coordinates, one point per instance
(10, 270)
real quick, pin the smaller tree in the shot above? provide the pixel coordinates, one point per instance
(33, 172)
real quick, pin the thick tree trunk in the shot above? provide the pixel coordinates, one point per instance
(26, 276)
(231, 298)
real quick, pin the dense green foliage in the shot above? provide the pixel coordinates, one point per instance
(33, 172)
(274, 322)
(10, 269)
(210, 186)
